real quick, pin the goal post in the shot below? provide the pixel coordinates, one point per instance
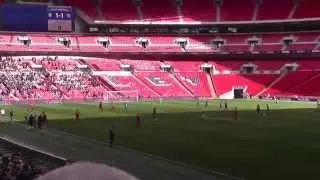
(121, 96)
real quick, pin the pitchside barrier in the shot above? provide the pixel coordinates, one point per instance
(108, 97)
(133, 97)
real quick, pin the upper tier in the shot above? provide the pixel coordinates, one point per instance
(215, 44)
(190, 11)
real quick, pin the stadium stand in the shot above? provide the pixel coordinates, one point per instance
(252, 84)
(86, 6)
(159, 11)
(228, 65)
(237, 10)
(306, 9)
(103, 64)
(131, 83)
(185, 66)
(286, 86)
(114, 10)
(308, 65)
(274, 10)
(196, 82)
(20, 163)
(163, 83)
(206, 7)
(269, 64)
(142, 64)
(67, 78)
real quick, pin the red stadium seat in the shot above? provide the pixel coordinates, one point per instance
(307, 9)
(115, 10)
(159, 11)
(206, 7)
(274, 9)
(237, 10)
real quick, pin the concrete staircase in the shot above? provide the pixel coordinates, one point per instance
(211, 86)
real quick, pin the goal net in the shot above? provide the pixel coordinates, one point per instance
(121, 96)
(107, 96)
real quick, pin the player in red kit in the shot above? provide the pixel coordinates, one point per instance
(100, 107)
(138, 121)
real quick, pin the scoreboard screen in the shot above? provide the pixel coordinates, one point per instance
(60, 18)
(37, 17)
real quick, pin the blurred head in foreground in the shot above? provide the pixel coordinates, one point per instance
(87, 171)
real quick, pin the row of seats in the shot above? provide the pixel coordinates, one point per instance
(252, 84)
(163, 83)
(230, 43)
(196, 82)
(185, 11)
(190, 66)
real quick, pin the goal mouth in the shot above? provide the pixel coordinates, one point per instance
(121, 96)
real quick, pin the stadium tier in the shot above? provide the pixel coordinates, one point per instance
(172, 11)
(78, 78)
(220, 43)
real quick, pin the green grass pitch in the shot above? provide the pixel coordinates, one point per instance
(284, 144)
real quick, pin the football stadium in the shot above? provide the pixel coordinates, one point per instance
(159, 89)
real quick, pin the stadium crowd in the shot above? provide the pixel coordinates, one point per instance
(16, 167)
(54, 80)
